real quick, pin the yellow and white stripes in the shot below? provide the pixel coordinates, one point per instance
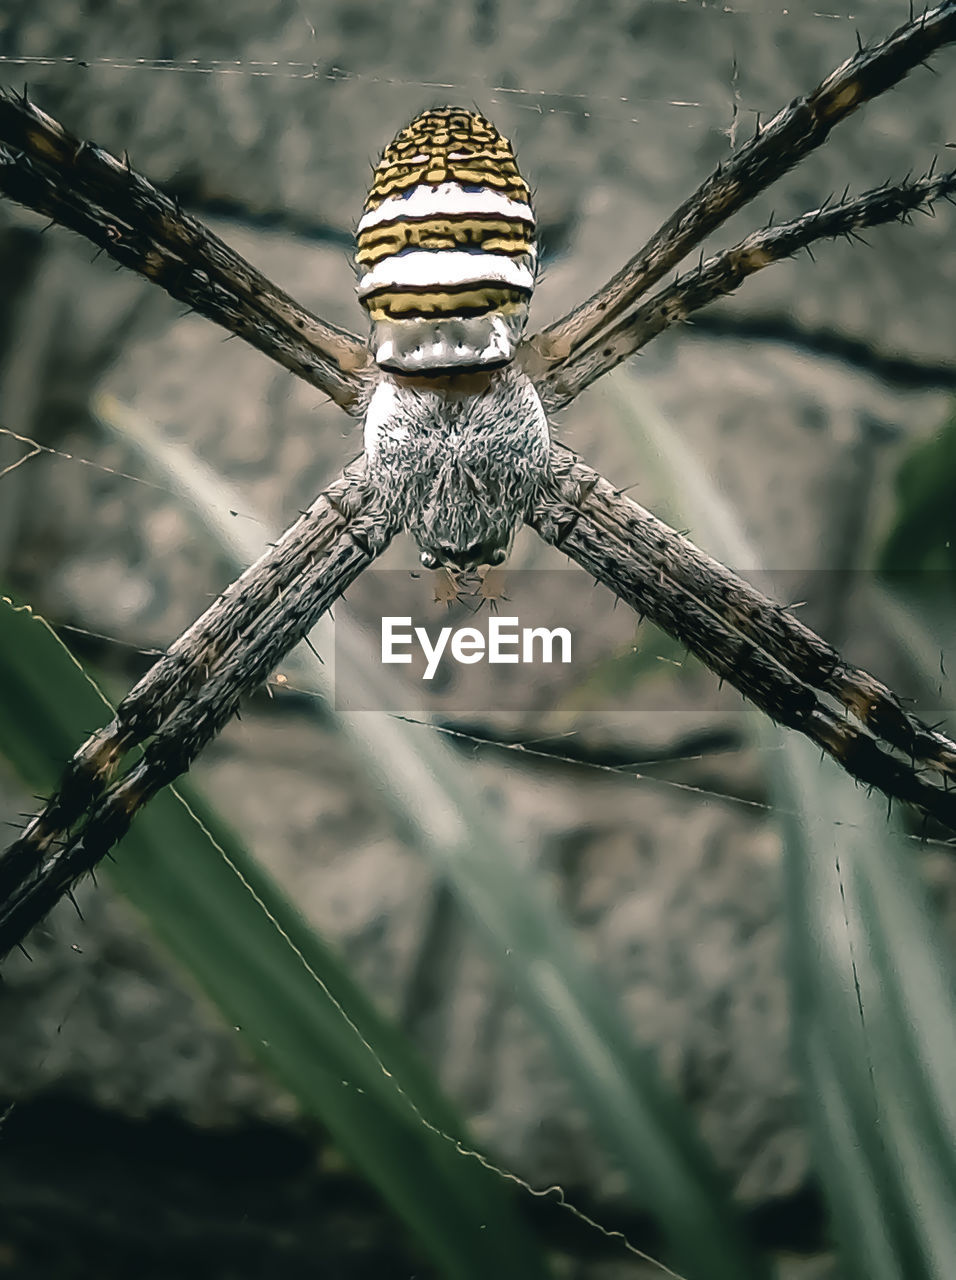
(446, 256)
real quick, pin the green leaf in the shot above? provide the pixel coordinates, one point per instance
(289, 995)
(874, 1023)
(646, 1129)
(874, 1017)
(922, 539)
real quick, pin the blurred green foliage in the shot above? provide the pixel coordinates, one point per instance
(919, 551)
(285, 991)
(872, 982)
(872, 979)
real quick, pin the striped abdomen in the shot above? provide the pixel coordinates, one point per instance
(446, 256)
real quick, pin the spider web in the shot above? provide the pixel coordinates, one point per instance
(526, 750)
(719, 120)
(542, 746)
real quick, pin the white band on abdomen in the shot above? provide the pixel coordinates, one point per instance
(444, 269)
(447, 198)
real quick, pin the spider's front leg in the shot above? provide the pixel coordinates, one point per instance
(791, 135)
(83, 187)
(456, 439)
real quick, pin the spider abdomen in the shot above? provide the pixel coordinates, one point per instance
(446, 256)
(457, 469)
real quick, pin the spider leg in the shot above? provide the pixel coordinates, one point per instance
(725, 271)
(748, 640)
(792, 134)
(188, 696)
(83, 187)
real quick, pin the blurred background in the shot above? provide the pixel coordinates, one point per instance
(813, 408)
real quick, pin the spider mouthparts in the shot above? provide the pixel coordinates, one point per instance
(465, 558)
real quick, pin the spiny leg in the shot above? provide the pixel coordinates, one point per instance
(84, 188)
(256, 621)
(726, 271)
(791, 135)
(748, 640)
(194, 724)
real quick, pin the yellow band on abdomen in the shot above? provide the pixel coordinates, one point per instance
(446, 252)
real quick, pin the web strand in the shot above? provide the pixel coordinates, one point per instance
(555, 1193)
(531, 100)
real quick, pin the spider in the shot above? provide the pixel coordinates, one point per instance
(456, 401)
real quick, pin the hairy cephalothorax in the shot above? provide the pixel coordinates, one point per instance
(458, 468)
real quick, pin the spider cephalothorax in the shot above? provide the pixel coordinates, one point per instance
(455, 438)
(457, 465)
